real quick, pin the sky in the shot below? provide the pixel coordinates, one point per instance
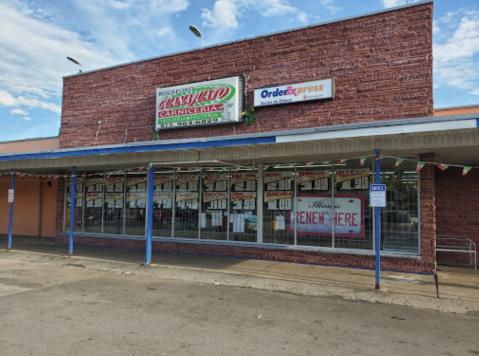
(38, 35)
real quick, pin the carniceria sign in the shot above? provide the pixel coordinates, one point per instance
(213, 102)
(294, 93)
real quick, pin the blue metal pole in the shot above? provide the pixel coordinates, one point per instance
(10, 219)
(378, 223)
(149, 214)
(72, 210)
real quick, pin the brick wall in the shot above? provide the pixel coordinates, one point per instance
(457, 208)
(332, 259)
(382, 66)
(427, 201)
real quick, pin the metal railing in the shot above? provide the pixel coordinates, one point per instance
(458, 244)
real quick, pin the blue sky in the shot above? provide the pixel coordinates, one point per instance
(37, 36)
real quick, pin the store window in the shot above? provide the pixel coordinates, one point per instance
(135, 211)
(163, 204)
(400, 218)
(318, 205)
(243, 219)
(114, 205)
(93, 205)
(353, 215)
(214, 205)
(187, 203)
(314, 205)
(278, 201)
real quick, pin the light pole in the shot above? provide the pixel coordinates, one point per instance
(197, 32)
(74, 61)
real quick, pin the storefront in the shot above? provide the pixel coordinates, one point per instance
(262, 148)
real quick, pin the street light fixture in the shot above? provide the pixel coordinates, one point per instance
(197, 32)
(74, 61)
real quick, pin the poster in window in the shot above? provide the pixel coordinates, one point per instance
(278, 180)
(315, 215)
(243, 182)
(215, 182)
(163, 183)
(187, 200)
(187, 183)
(243, 200)
(162, 200)
(278, 200)
(313, 180)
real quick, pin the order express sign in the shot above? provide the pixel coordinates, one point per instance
(213, 102)
(294, 93)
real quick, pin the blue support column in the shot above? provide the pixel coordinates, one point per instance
(72, 210)
(10, 218)
(149, 214)
(377, 217)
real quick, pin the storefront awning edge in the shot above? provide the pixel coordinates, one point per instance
(392, 127)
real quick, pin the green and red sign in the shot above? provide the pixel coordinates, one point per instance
(207, 103)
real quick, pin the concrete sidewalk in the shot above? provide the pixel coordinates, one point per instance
(458, 287)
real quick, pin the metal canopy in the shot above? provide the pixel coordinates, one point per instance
(452, 138)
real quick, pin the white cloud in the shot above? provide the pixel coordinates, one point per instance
(8, 100)
(32, 58)
(225, 13)
(394, 3)
(18, 111)
(165, 31)
(118, 5)
(170, 5)
(36, 40)
(456, 51)
(303, 17)
(329, 5)
(44, 130)
(26, 118)
(435, 27)
(269, 8)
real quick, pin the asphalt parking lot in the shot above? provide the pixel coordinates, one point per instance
(51, 309)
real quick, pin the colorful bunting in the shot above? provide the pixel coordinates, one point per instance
(419, 166)
(465, 170)
(399, 161)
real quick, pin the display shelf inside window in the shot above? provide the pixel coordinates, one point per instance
(314, 207)
(400, 217)
(93, 205)
(163, 205)
(78, 214)
(243, 219)
(136, 195)
(278, 207)
(114, 203)
(353, 216)
(214, 207)
(187, 202)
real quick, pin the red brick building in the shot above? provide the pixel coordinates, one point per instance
(291, 183)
